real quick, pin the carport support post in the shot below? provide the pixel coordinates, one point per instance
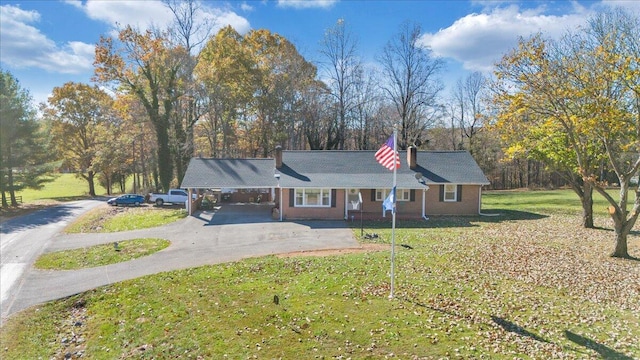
(281, 205)
(361, 224)
(424, 201)
(189, 203)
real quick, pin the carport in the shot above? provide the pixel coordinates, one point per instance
(249, 178)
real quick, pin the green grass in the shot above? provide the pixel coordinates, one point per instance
(63, 187)
(531, 287)
(545, 201)
(100, 255)
(102, 219)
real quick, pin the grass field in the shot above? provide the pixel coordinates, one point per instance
(529, 284)
(547, 201)
(100, 255)
(114, 219)
(64, 187)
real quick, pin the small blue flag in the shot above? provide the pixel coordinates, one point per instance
(390, 201)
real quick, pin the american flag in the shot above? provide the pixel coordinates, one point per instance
(385, 156)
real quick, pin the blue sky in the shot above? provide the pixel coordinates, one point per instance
(45, 44)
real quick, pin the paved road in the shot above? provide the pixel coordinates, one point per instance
(228, 234)
(23, 239)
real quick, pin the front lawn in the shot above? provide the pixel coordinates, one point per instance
(100, 255)
(113, 219)
(528, 284)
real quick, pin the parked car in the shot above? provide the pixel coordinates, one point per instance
(173, 196)
(127, 199)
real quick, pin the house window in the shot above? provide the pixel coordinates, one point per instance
(450, 192)
(401, 194)
(313, 197)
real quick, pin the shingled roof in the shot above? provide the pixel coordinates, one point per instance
(333, 169)
(359, 169)
(207, 173)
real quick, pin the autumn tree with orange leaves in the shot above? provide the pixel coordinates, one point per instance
(575, 104)
(82, 123)
(147, 65)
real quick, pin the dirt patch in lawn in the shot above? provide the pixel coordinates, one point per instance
(329, 252)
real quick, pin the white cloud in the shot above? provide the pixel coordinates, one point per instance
(23, 45)
(479, 40)
(630, 5)
(144, 15)
(140, 14)
(306, 4)
(223, 18)
(74, 3)
(246, 7)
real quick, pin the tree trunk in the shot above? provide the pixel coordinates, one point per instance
(109, 184)
(92, 186)
(621, 250)
(12, 192)
(9, 184)
(587, 206)
(622, 227)
(165, 168)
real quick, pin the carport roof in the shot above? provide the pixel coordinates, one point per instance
(207, 173)
(333, 169)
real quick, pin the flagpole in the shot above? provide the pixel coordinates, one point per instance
(393, 213)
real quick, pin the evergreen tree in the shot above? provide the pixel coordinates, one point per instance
(22, 147)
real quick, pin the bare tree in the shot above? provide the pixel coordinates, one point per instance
(344, 70)
(190, 29)
(369, 101)
(317, 125)
(412, 84)
(468, 97)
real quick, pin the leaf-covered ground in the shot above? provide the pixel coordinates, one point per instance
(549, 288)
(537, 287)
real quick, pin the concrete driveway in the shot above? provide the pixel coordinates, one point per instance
(230, 233)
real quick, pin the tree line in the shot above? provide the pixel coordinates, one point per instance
(554, 112)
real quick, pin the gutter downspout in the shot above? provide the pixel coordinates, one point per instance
(281, 204)
(280, 201)
(346, 204)
(480, 204)
(189, 202)
(424, 202)
(479, 199)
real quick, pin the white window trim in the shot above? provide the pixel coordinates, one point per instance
(304, 197)
(454, 192)
(401, 194)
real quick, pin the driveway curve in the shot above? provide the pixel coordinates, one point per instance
(231, 233)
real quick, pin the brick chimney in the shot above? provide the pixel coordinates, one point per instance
(412, 154)
(278, 157)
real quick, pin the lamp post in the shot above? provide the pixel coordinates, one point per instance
(422, 181)
(277, 176)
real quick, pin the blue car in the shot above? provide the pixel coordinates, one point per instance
(127, 199)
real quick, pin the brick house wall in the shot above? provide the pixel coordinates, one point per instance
(467, 203)
(335, 212)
